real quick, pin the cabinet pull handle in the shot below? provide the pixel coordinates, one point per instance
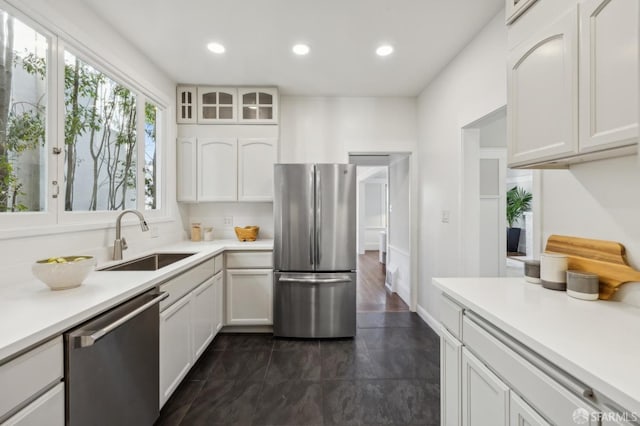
(560, 376)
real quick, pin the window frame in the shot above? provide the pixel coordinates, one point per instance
(54, 219)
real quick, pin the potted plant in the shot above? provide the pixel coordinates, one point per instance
(518, 202)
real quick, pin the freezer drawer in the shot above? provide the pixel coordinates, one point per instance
(314, 305)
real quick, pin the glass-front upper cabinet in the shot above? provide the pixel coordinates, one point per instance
(515, 8)
(186, 108)
(216, 105)
(258, 105)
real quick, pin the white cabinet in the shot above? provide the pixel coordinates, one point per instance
(225, 169)
(485, 398)
(176, 352)
(608, 74)
(216, 105)
(47, 409)
(515, 8)
(256, 158)
(521, 414)
(186, 105)
(186, 167)
(218, 286)
(217, 169)
(542, 81)
(573, 84)
(249, 297)
(258, 105)
(450, 380)
(203, 324)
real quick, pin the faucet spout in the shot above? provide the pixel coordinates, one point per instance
(120, 244)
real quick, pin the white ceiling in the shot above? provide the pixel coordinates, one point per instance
(343, 34)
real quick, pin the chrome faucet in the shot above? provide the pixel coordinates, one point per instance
(120, 243)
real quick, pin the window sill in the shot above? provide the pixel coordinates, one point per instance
(41, 231)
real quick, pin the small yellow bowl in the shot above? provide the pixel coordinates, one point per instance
(248, 233)
(60, 273)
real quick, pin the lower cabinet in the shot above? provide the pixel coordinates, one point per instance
(521, 414)
(48, 410)
(485, 398)
(249, 297)
(450, 380)
(186, 329)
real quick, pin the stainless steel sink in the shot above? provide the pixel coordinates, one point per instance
(152, 262)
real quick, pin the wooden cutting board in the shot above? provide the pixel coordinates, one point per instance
(607, 259)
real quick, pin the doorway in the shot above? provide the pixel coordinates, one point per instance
(486, 182)
(383, 237)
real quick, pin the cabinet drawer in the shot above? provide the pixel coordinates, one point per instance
(187, 281)
(451, 315)
(46, 410)
(218, 263)
(29, 374)
(545, 394)
(250, 259)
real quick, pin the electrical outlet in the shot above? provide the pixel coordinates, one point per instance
(228, 221)
(445, 216)
(153, 230)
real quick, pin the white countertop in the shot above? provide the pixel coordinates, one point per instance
(31, 313)
(597, 342)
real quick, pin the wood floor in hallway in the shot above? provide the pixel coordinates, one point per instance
(373, 296)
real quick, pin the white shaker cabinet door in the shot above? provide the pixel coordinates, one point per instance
(485, 398)
(450, 369)
(218, 285)
(256, 158)
(521, 414)
(217, 169)
(249, 297)
(176, 356)
(542, 79)
(203, 321)
(187, 162)
(608, 74)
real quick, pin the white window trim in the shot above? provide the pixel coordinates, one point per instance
(54, 219)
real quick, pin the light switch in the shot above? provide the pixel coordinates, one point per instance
(445, 216)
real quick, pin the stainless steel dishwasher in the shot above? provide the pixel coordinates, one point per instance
(111, 366)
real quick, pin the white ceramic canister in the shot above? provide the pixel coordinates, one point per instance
(208, 233)
(553, 271)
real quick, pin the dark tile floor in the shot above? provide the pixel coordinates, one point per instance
(389, 374)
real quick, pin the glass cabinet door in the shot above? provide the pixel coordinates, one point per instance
(217, 104)
(186, 105)
(258, 105)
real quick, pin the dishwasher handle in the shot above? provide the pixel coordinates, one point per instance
(86, 340)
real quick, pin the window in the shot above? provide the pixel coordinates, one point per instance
(23, 112)
(96, 154)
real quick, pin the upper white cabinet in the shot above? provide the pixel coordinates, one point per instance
(216, 105)
(225, 169)
(186, 108)
(515, 8)
(217, 176)
(256, 158)
(258, 105)
(573, 84)
(608, 74)
(226, 105)
(542, 94)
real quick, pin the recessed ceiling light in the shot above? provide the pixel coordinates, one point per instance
(300, 49)
(384, 50)
(216, 48)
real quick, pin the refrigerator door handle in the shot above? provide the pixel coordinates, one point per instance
(312, 242)
(315, 280)
(318, 217)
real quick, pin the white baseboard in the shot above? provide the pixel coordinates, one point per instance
(429, 319)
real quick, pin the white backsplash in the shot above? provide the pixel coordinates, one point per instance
(241, 214)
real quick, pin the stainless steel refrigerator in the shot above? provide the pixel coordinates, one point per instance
(315, 250)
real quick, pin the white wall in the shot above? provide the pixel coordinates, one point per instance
(471, 86)
(326, 129)
(84, 28)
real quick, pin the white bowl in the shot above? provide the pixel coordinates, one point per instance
(60, 276)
